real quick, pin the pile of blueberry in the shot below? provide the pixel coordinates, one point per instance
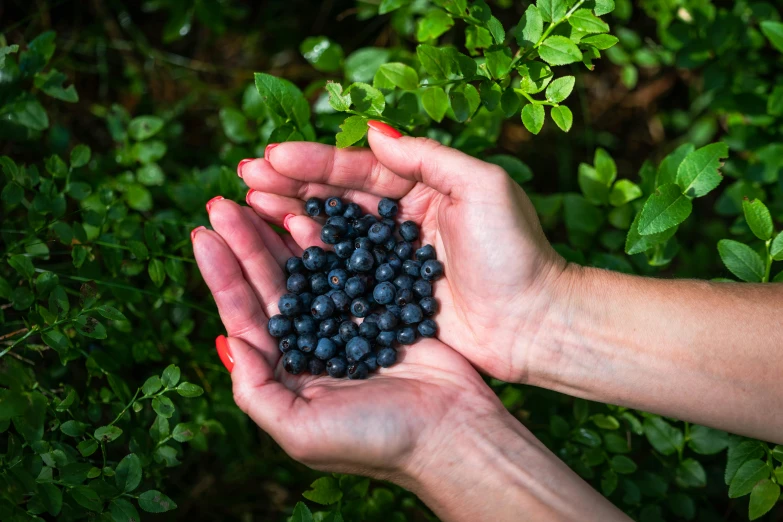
(370, 275)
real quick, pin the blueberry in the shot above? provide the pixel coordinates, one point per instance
(294, 265)
(394, 261)
(304, 324)
(360, 307)
(404, 281)
(344, 249)
(339, 341)
(406, 335)
(363, 242)
(316, 366)
(387, 320)
(358, 371)
(313, 207)
(387, 208)
(422, 288)
(306, 298)
(372, 318)
(403, 249)
(297, 283)
(411, 268)
(369, 330)
(431, 270)
(361, 261)
(386, 338)
(352, 211)
(322, 307)
(279, 326)
(341, 300)
(348, 330)
(384, 273)
(386, 357)
(429, 306)
(384, 293)
(336, 367)
(379, 254)
(334, 206)
(395, 309)
(340, 223)
(325, 349)
(427, 328)
(390, 244)
(314, 258)
(286, 343)
(379, 233)
(307, 342)
(411, 314)
(354, 287)
(330, 234)
(403, 297)
(409, 231)
(425, 253)
(357, 348)
(294, 362)
(289, 305)
(319, 283)
(389, 222)
(371, 362)
(328, 327)
(337, 278)
(332, 261)
(363, 224)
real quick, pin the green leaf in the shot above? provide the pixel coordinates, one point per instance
(759, 219)
(498, 62)
(56, 166)
(587, 437)
(160, 428)
(6, 50)
(154, 501)
(603, 7)
(776, 249)
(608, 482)
(184, 431)
(338, 102)
(775, 102)
(534, 77)
(73, 428)
(530, 28)
(587, 22)
(399, 75)
(435, 61)
(128, 474)
(107, 433)
(465, 99)
(559, 50)
(187, 389)
(698, 173)
(51, 83)
(322, 53)
(87, 447)
(301, 513)
(157, 272)
(284, 99)
(353, 129)
(664, 209)
(707, 441)
(324, 491)
(739, 455)
(624, 191)
(741, 260)
(748, 475)
(763, 497)
(552, 10)
(123, 511)
(664, 437)
(52, 498)
(27, 112)
(433, 24)
(12, 194)
(605, 422)
(533, 117)
(774, 33)
(600, 41)
(497, 30)
(361, 65)
(622, 464)
(111, 313)
(594, 184)
(151, 385)
(435, 102)
(23, 265)
(87, 498)
(667, 170)
(366, 98)
(387, 6)
(80, 156)
(234, 125)
(138, 197)
(560, 89)
(144, 127)
(562, 117)
(170, 376)
(515, 167)
(605, 166)
(163, 406)
(690, 474)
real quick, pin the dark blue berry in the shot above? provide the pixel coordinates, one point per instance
(344, 249)
(409, 231)
(279, 326)
(386, 357)
(314, 258)
(358, 371)
(406, 335)
(339, 341)
(390, 244)
(340, 223)
(307, 342)
(305, 298)
(294, 362)
(394, 261)
(352, 211)
(304, 324)
(387, 320)
(431, 270)
(422, 288)
(363, 242)
(425, 253)
(386, 338)
(379, 233)
(316, 366)
(294, 265)
(336, 367)
(379, 254)
(322, 307)
(337, 278)
(403, 249)
(287, 343)
(334, 206)
(328, 327)
(354, 287)
(348, 330)
(384, 273)
(319, 283)
(411, 268)
(289, 305)
(372, 318)
(371, 361)
(330, 234)
(332, 261)
(357, 348)
(429, 306)
(404, 281)
(297, 283)
(427, 328)
(360, 307)
(387, 208)
(341, 300)
(325, 349)
(313, 207)
(384, 293)
(361, 260)
(395, 309)
(369, 330)
(363, 224)
(403, 297)
(411, 314)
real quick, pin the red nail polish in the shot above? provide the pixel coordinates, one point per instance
(239, 166)
(285, 221)
(196, 231)
(224, 352)
(247, 197)
(211, 201)
(383, 128)
(268, 149)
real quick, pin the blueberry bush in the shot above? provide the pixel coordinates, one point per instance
(648, 135)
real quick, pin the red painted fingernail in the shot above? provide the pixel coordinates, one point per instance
(247, 197)
(196, 231)
(385, 129)
(239, 166)
(209, 203)
(224, 352)
(268, 149)
(285, 221)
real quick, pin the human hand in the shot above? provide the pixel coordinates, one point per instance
(502, 276)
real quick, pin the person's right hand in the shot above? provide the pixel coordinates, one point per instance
(500, 270)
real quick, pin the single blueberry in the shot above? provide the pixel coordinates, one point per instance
(322, 307)
(358, 371)
(294, 362)
(344, 249)
(325, 349)
(404, 281)
(406, 335)
(380, 254)
(403, 297)
(411, 314)
(319, 283)
(334, 206)
(357, 348)
(328, 327)
(341, 300)
(387, 320)
(316, 366)
(336, 367)
(289, 305)
(384, 273)
(386, 357)
(330, 234)
(425, 253)
(411, 268)
(390, 244)
(313, 207)
(339, 341)
(332, 261)
(383, 293)
(304, 324)
(362, 242)
(369, 330)
(429, 306)
(297, 283)
(379, 233)
(286, 343)
(427, 328)
(352, 211)
(372, 318)
(361, 261)
(395, 309)
(431, 270)
(348, 330)
(371, 361)
(387, 208)
(306, 298)
(314, 258)
(340, 223)
(409, 231)
(294, 265)
(394, 261)
(307, 342)
(337, 278)
(386, 338)
(403, 249)
(422, 288)
(360, 307)
(354, 287)
(363, 224)
(279, 326)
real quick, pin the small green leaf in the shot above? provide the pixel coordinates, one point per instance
(664, 209)
(111, 313)
(741, 260)
(600, 41)
(497, 30)
(399, 75)
(748, 475)
(552, 10)
(707, 441)
(667, 170)
(690, 474)
(560, 89)
(605, 422)
(759, 219)
(533, 117)
(187, 389)
(144, 127)
(624, 191)
(22, 264)
(434, 60)
(559, 50)
(80, 156)
(301, 513)
(774, 32)
(366, 98)
(665, 438)
(534, 77)
(776, 249)
(623, 465)
(763, 497)
(562, 117)
(151, 385)
(498, 62)
(107, 433)
(324, 491)
(55, 340)
(87, 498)
(739, 455)
(530, 28)
(353, 129)
(154, 501)
(587, 22)
(87, 447)
(123, 511)
(387, 6)
(170, 376)
(128, 474)
(157, 272)
(234, 125)
(184, 431)
(775, 102)
(73, 428)
(465, 99)
(435, 102)
(322, 53)
(698, 173)
(338, 102)
(433, 24)
(163, 406)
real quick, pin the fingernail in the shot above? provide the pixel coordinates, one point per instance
(249, 193)
(285, 221)
(224, 352)
(268, 149)
(383, 128)
(196, 231)
(211, 201)
(239, 166)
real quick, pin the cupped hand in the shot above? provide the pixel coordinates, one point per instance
(500, 271)
(382, 427)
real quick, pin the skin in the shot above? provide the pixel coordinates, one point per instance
(510, 307)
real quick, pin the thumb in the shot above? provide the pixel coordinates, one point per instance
(447, 170)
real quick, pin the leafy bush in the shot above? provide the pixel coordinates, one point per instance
(111, 398)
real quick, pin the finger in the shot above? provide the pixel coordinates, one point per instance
(447, 170)
(269, 237)
(275, 208)
(352, 168)
(239, 308)
(293, 246)
(306, 232)
(261, 269)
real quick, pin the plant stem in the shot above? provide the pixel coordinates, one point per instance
(534, 101)
(126, 407)
(769, 263)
